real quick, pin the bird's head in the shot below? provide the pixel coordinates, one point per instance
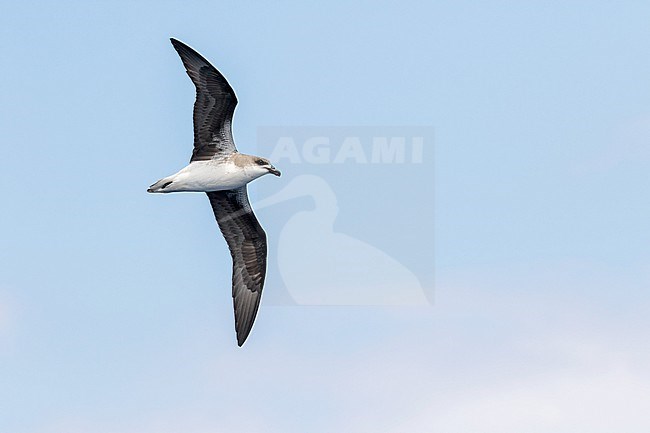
(259, 166)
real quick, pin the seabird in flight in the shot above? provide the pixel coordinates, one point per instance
(217, 169)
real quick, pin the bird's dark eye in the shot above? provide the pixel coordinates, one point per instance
(260, 162)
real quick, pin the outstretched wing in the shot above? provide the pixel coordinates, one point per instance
(247, 243)
(213, 109)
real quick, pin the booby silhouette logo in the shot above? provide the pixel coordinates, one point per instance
(352, 224)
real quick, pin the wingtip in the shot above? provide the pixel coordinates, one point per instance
(241, 338)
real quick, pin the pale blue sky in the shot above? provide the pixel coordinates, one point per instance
(115, 312)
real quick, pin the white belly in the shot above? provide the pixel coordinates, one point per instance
(205, 176)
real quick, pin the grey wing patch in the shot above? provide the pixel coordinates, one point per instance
(213, 109)
(247, 243)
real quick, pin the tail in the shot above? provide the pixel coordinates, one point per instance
(161, 185)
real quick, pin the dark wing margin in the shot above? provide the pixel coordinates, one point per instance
(247, 243)
(214, 106)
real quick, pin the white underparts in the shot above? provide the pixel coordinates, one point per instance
(205, 176)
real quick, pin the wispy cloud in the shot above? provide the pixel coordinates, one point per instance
(491, 356)
(5, 313)
(628, 144)
(600, 397)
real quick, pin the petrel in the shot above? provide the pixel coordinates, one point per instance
(219, 170)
